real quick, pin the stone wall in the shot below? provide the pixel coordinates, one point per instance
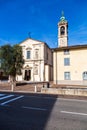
(67, 91)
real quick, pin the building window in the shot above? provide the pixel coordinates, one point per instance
(28, 56)
(66, 61)
(62, 30)
(66, 52)
(85, 75)
(67, 75)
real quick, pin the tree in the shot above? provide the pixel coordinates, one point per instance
(12, 61)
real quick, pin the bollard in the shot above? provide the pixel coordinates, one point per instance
(12, 87)
(43, 85)
(35, 89)
(48, 85)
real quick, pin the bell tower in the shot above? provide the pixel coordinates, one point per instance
(62, 32)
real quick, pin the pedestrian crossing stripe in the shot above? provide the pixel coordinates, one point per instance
(2, 95)
(6, 97)
(11, 100)
(7, 100)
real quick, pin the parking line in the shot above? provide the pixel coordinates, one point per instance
(6, 97)
(11, 100)
(35, 108)
(2, 95)
(74, 113)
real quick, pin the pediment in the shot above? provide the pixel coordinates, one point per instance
(27, 67)
(30, 41)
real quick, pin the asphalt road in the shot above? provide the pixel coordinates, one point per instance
(41, 112)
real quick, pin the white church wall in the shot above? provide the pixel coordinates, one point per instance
(41, 54)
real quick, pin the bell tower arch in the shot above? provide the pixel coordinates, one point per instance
(62, 32)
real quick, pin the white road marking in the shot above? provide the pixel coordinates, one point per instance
(74, 113)
(11, 100)
(35, 108)
(6, 97)
(2, 95)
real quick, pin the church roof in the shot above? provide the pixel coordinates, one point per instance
(70, 47)
(30, 39)
(35, 40)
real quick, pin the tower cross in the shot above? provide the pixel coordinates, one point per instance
(62, 13)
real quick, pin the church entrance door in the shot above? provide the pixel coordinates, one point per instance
(27, 75)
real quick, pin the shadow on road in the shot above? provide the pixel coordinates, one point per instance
(30, 113)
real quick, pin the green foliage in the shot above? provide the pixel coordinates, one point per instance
(12, 59)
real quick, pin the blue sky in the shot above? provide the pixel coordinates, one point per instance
(40, 17)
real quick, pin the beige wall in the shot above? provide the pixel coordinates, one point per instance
(48, 61)
(48, 55)
(78, 64)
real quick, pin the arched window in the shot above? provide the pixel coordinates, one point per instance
(62, 30)
(85, 75)
(28, 55)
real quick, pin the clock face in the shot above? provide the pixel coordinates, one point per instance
(62, 42)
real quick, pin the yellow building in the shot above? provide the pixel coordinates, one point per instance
(69, 62)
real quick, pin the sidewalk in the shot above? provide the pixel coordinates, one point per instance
(26, 87)
(38, 87)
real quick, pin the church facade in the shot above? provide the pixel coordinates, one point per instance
(38, 66)
(69, 62)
